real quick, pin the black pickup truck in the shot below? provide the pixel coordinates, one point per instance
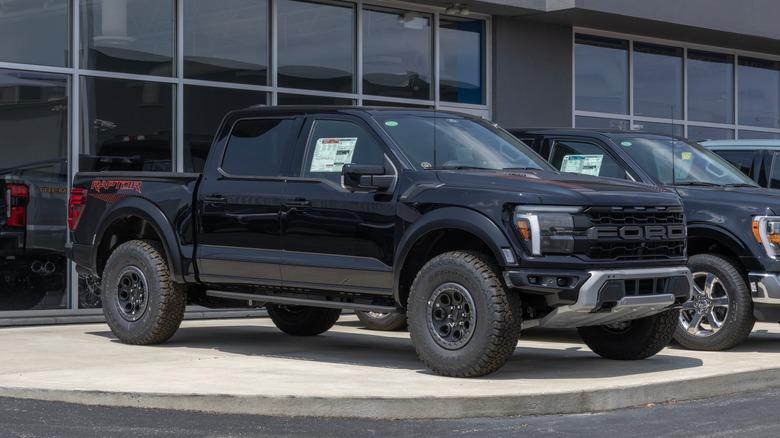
(733, 225)
(442, 216)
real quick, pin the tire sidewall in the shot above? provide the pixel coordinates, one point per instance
(124, 256)
(740, 304)
(444, 269)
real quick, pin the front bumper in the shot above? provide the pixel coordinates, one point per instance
(765, 291)
(610, 296)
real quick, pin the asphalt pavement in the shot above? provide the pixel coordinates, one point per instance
(247, 366)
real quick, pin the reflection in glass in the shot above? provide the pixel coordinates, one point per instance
(663, 128)
(226, 41)
(35, 32)
(461, 61)
(128, 125)
(315, 46)
(601, 74)
(658, 81)
(127, 36)
(601, 123)
(745, 133)
(397, 54)
(701, 133)
(204, 108)
(759, 92)
(33, 190)
(302, 99)
(710, 87)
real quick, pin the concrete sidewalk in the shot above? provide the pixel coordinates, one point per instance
(249, 366)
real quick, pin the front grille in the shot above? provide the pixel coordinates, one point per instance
(634, 234)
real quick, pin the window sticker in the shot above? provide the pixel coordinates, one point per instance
(687, 156)
(625, 143)
(331, 154)
(587, 164)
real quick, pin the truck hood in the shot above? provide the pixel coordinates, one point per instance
(556, 188)
(716, 203)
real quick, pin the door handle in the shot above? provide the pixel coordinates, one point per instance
(215, 200)
(297, 203)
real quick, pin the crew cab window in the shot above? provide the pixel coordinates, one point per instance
(256, 147)
(334, 143)
(742, 160)
(586, 158)
(774, 173)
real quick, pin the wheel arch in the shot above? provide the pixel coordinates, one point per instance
(442, 230)
(707, 239)
(135, 218)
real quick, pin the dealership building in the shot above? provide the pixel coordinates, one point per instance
(84, 83)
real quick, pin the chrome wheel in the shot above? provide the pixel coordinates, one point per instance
(451, 316)
(131, 293)
(706, 313)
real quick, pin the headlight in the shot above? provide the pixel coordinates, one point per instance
(767, 232)
(546, 229)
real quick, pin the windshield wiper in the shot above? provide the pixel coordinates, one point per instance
(742, 185)
(463, 166)
(521, 168)
(698, 183)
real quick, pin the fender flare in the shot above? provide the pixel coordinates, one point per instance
(151, 213)
(450, 217)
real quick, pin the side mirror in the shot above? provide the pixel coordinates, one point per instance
(365, 178)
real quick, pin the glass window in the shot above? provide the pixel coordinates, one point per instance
(226, 41)
(774, 173)
(710, 87)
(461, 61)
(741, 159)
(663, 128)
(256, 147)
(397, 55)
(601, 123)
(204, 108)
(658, 79)
(701, 133)
(127, 125)
(128, 36)
(33, 190)
(586, 158)
(334, 143)
(601, 74)
(303, 99)
(753, 135)
(316, 46)
(759, 92)
(35, 32)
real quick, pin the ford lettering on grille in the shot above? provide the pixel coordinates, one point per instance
(637, 232)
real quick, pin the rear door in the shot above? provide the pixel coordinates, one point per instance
(239, 203)
(335, 239)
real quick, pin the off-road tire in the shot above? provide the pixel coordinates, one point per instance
(464, 288)
(141, 302)
(631, 340)
(302, 320)
(386, 322)
(722, 297)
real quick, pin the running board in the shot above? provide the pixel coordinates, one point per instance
(300, 301)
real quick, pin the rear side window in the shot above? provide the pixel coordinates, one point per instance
(742, 160)
(256, 147)
(774, 173)
(587, 158)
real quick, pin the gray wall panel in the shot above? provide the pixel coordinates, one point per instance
(532, 73)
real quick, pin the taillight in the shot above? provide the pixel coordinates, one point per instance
(16, 197)
(76, 203)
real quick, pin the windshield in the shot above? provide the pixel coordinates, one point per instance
(692, 163)
(447, 141)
